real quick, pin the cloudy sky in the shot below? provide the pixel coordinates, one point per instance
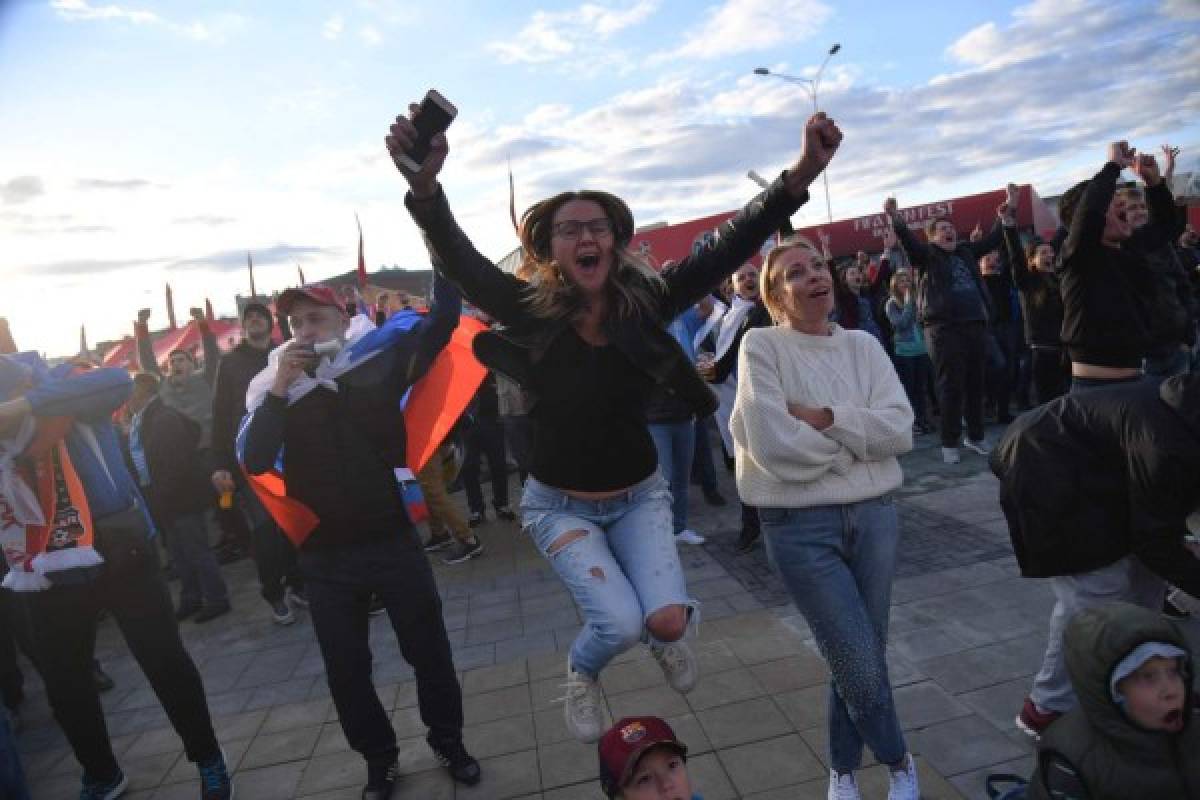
(146, 142)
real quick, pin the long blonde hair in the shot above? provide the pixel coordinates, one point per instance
(633, 285)
(770, 279)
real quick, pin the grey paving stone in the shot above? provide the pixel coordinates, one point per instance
(522, 647)
(407, 723)
(278, 782)
(1000, 703)
(332, 740)
(488, 706)
(277, 748)
(973, 784)
(817, 739)
(500, 737)
(493, 613)
(770, 764)
(739, 723)
(413, 755)
(631, 675)
(151, 743)
(482, 655)
(921, 704)
(659, 701)
(148, 772)
(714, 656)
(709, 778)
(335, 771)
(983, 666)
(963, 744)
(549, 621)
(805, 708)
(793, 672)
(733, 686)
(930, 642)
(566, 763)
(505, 777)
(770, 646)
(296, 715)
(579, 791)
(550, 727)
(500, 676)
(290, 691)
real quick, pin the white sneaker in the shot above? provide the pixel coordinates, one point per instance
(977, 446)
(678, 665)
(582, 707)
(903, 782)
(950, 455)
(843, 787)
(689, 536)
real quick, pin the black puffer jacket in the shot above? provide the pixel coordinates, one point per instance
(1171, 305)
(1095, 752)
(234, 372)
(1090, 478)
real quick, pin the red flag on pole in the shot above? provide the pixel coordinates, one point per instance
(362, 262)
(250, 265)
(208, 311)
(300, 270)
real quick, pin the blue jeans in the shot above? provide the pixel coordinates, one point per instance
(837, 562)
(618, 560)
(200, 577)
(675, 442)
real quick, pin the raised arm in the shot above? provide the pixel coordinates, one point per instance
(89, 396)
(1022, 277)
(741, 237)
(1166, 223)
(209, 346)
(918, 251)
(1087, 223)
(145, 348)
(438, 326)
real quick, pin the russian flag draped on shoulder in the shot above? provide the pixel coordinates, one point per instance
(431, 407)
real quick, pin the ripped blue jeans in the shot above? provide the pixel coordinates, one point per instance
(622, 569)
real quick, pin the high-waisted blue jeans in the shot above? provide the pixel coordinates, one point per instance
(837, 562)
(620, 571)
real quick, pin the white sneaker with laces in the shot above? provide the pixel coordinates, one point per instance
(582, 707)
(903, 782)
(950, 455)
(689, 536)
(977, 446)
(678, 665)
(843, 787)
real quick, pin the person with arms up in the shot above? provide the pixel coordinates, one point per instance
(587, 337)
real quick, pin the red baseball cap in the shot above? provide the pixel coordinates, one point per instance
(624, 744)
(321, 295)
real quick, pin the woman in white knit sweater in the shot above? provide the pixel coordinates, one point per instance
(818, 421)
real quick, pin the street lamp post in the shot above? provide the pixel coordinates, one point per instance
(810, 85)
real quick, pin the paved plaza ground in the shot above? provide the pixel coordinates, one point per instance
(967, 633)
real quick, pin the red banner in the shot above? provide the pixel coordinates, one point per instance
(848, 236)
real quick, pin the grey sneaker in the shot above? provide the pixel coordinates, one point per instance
(678, 665)
(583, 707)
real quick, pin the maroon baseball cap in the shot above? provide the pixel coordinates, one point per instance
(624, 744)
(321, 295)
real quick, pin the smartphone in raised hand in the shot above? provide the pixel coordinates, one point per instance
(433, 117)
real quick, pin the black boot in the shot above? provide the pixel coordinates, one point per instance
(381, 781)
(455, 758)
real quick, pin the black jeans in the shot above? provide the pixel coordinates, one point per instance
(1002, 376)
(518, 436)
(62, 622)
(1051, 373)
(12, 681)
(485, 439)
(340, 582)
(958, 351)
(914, 376)
(274, 555)
(703, 468)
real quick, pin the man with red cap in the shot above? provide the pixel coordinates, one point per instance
(326, 412)
(642, 759)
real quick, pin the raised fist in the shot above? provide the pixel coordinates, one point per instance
(1146, 167)
(821, 140)
(1121, 154)
(197, 313)
(143, 316)
(890, 206)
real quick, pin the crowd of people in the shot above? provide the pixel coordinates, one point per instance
(602, 380)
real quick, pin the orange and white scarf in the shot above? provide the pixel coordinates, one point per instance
(45, 522)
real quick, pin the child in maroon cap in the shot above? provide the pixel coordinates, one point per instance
(641, 759)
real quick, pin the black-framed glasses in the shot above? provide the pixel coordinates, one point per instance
(573, 228)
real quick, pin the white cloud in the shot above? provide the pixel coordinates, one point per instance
(551, 35)
(743, 26)
(216, 29)
(333, 27)
(21, 189)
(1181, 9)
(370, 36)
